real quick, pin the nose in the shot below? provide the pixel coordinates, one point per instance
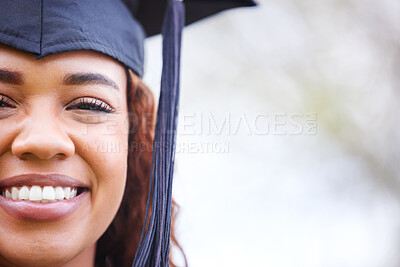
(42, 138)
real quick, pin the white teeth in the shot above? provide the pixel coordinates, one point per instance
(59, 192)
(14, 193)
(35, 194)
(67, 192)
(73, 193)
(24, 193)
(48, 193)
(40, 194)
(8, 194)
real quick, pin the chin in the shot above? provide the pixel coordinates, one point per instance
(48, 243)
(37, 253)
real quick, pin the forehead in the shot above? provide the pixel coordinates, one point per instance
(84, 61)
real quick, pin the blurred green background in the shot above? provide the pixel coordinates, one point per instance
(309, 170)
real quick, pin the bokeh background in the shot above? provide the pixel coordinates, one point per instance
(289, 135)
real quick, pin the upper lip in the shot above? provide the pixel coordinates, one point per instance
(40, 179)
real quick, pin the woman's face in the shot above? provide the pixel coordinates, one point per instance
(63, 124)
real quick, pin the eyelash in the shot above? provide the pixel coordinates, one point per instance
(6, 102)
(94, 104)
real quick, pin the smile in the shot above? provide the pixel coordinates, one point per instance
(41, 197)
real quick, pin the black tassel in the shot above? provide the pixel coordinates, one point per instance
(154, 243)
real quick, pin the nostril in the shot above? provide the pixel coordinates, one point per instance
(26, 155)
(60, 155)
(30, 156)
(44, 155)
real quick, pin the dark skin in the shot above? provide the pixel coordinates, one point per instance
(55, 122)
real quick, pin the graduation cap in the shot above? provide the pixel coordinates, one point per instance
(118, 28)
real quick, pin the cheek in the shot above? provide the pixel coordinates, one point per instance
(105, 149)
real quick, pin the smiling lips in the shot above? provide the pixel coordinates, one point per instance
(41, 196)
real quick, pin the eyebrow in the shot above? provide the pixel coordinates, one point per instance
(87, 79)
(15, 77)
(11, 77)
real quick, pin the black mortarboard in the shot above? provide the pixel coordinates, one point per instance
(118, 28)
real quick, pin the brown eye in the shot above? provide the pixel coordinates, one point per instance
(6, 102)
(92, 104)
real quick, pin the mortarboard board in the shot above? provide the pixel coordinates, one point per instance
(118, 28)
